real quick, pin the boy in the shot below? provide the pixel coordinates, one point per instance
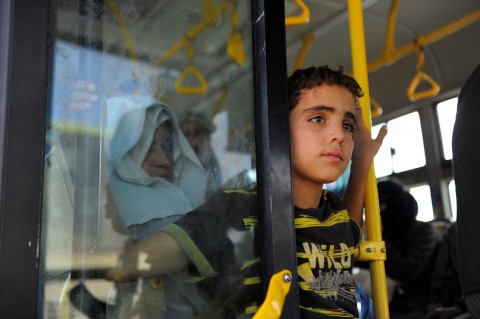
(201, 245)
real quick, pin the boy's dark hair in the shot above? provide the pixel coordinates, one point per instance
(304, 79)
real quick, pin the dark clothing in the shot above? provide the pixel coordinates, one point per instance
(220, 239)
(411, 247)
(412, 267)
(466, 168)
(444, 286)
(326, 237)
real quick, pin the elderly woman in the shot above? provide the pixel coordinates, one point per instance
(154, 178)
(154, 173)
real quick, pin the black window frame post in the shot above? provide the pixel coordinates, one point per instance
(23, 88)
(273, 146)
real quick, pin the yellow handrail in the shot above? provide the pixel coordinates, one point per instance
(396, 54)
(389, 49)
(372, 211)
(300, 19)
(421, 75)
(194, 31)
(307, 43)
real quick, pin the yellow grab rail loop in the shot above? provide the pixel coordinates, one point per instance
(303, 18)
(191, 70)
(376, 108)
(421, 75)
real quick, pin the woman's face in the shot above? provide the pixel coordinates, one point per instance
(159, 158)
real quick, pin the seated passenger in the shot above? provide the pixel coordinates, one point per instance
(154, 174)
(154, 178)
(446, 300)
(197, 128)
(411, 247)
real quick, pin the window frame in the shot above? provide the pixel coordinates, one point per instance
(23, 46)
(23, 86)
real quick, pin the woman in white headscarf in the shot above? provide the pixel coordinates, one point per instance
(154, 174)
(154, 177)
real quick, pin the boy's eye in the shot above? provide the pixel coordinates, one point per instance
(317, 119)
(349, 127)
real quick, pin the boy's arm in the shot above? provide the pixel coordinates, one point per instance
(364, 150)
(160, 252)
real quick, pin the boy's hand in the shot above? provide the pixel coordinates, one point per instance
(365, 147)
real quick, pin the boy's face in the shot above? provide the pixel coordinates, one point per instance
(321, 128)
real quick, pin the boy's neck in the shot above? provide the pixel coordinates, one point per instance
(306, 196)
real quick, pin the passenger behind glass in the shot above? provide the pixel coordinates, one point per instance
(155, 177)
(153, 172)
(197, 128)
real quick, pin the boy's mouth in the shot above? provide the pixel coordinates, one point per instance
(334, 156)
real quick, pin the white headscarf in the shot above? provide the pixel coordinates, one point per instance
(140, 198)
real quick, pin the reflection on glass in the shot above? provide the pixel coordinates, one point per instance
(405, 137)
(424, 200)
(145, 124)
(446, 111)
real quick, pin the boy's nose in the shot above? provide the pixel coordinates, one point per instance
(337, 135)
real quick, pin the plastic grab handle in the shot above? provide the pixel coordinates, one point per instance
(303, 18)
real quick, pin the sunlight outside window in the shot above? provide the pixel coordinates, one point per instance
(407, 142)
(446, 112)
(453, 198)
(383, 159)
(424, 200)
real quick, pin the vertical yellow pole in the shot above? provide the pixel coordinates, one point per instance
(372, 212)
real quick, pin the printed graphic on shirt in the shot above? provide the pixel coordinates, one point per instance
(325, 246)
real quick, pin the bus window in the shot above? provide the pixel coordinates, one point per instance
(453, 198)
(406, 142)
(383, 159)
(148, 117)
(402, 149)
(424, 201)
(446, 112)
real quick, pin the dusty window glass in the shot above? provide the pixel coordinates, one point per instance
(150, 120)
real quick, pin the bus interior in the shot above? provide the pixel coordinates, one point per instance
(198, 59)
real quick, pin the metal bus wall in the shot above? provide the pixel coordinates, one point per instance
(23, 88)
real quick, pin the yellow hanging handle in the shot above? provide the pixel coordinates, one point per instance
(421, 75)
(376, 108)
(303, 18)
(307, 43)
(235, 49)
(202, 86)
(278, 289)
